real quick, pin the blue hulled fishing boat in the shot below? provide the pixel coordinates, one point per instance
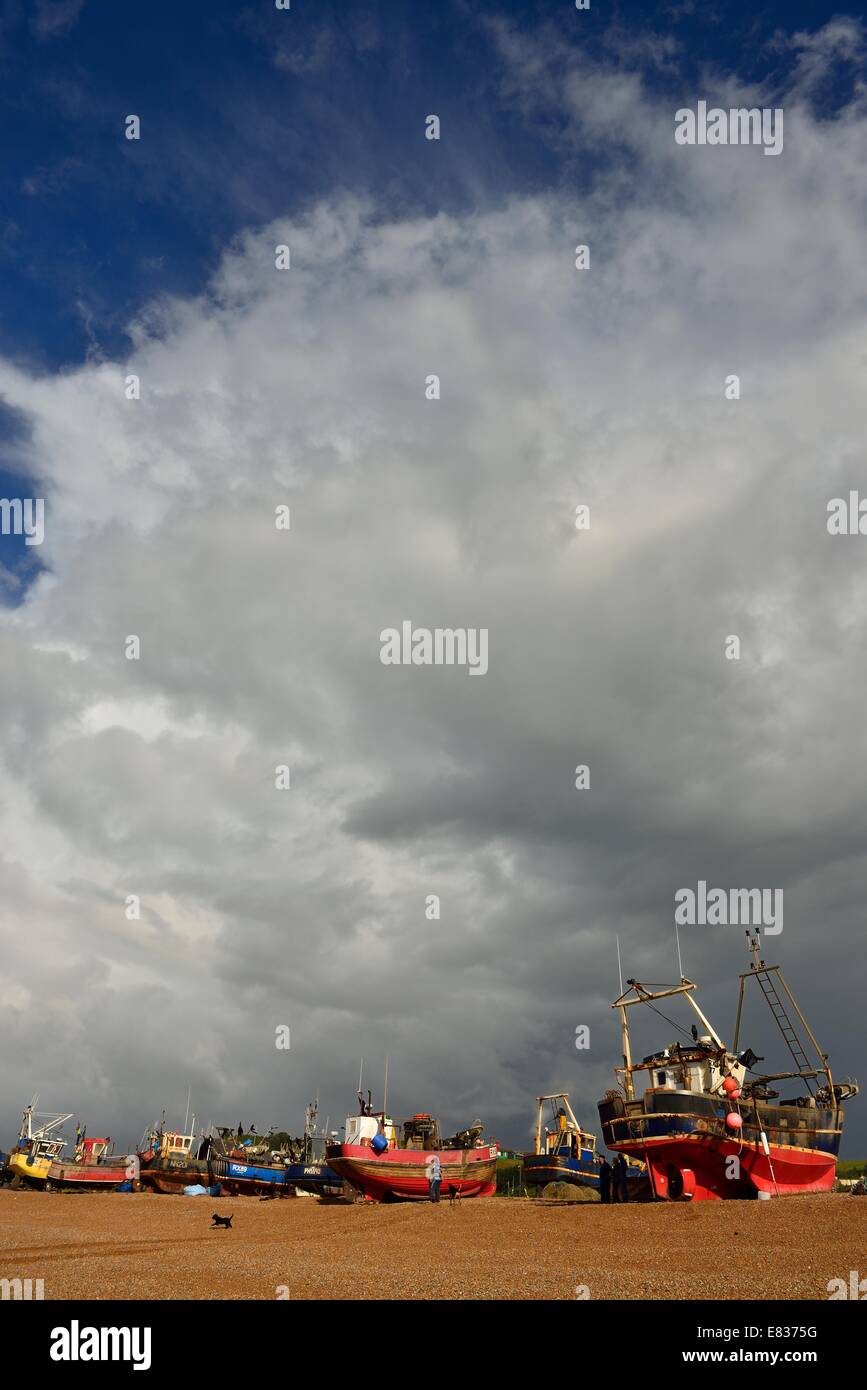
(250, 1164)
(564, 1151)
(236, 1173)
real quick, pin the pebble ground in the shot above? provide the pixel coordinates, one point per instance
(144, 1245)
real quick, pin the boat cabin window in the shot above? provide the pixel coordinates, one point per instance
(674, 1078)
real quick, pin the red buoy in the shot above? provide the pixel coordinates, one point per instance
(733, 1121)
(729, 1085)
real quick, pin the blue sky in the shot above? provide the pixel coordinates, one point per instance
(248, 113)
(410, 257)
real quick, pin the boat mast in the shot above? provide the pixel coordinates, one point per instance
(42, 1131)
(642, 995)
(559, 1095)
(564, 1096)
(708, 1025)
(627, 1055)
(624, 1034)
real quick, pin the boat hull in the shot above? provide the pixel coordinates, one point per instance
(399, 1174)
(237, 1177)
(161, 1175)
(691, 1156)
(23, 1168)
(251, 1179)
(540, 1169)
(314, 1177)
(92, 1177)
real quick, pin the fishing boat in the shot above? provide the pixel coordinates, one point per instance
(169, 1161)
(246, 1165)
(250, 1164)
(564, 1152)
(306, 1167)
(709, 1125)
(94, 1167)
(38, 1147)
(387, 1162)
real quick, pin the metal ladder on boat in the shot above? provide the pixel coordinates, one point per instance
(784, 1023)
(763, 974)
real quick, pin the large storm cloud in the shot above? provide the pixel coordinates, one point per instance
(260, 647)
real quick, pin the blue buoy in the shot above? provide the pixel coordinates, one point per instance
(379, 1143)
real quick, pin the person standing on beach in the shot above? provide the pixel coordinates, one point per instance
(604, 1179)
(433, 1173)
(621, 1193)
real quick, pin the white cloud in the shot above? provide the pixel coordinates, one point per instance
(261, 647)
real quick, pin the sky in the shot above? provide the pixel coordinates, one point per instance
(154, 778)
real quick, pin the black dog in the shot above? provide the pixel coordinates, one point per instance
(217, 1220)
(454, 1195)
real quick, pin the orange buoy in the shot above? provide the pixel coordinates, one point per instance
(733, 1121)
(729, 1085)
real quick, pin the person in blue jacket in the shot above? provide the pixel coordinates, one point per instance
(434, 1174)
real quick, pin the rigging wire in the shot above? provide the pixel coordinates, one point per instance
(678, 1026)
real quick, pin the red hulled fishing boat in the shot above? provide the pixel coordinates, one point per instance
(708, 1124)
(388, 1163)
(94, 1166)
